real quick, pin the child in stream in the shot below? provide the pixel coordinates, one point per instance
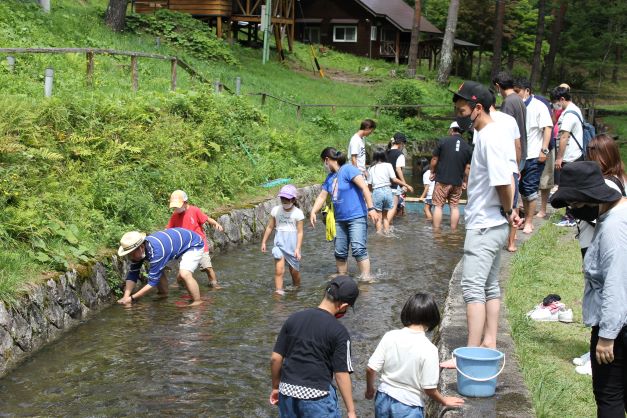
(381, 175)
(287, 218)
(408, 363)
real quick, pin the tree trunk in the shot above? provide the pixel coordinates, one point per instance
(537, 49)
(479, 62)
(446, 56)
(617, 60)
(413, 44)
(498, 38)
(555, 38)
(115, 16)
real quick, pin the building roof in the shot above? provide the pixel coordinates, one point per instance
(399, 13)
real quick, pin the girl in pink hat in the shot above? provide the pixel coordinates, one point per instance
(287, 219)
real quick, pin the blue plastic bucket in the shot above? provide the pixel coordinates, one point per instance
(477, 370)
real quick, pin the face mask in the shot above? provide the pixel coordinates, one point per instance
(557, 106)
(327, 168)
(179, 210)
(465, 122)
(585, 213)
(287, 206)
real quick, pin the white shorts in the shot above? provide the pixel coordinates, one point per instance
(190, 260)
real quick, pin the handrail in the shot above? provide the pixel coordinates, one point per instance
(90, 52)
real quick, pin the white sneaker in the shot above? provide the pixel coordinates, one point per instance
(542, 314)
(581, 360)
(565, 316)
(585, 369)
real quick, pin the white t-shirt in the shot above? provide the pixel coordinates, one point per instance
(357, 147)
(408, 363)
(427, 182)
(538, 118)
(586, 231)
(380, 175)
(286, 220)
(490, 167)
(509, 133)
(400, 162)
(569, 122)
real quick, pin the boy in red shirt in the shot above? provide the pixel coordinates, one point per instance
(190, 217)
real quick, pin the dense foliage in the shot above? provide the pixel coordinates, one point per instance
(182, 31)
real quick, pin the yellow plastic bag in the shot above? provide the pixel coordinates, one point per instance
(330, 222)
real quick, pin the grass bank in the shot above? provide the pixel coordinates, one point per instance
(80, 168)
(550, 262)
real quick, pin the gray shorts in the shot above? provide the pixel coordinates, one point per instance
(482, 259)
(546, 179)
(205, 261)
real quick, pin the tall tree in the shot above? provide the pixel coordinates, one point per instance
(537, 49)
(498, 38)
(446, 56)
(549, 62)
(115, 16)
(413, 44)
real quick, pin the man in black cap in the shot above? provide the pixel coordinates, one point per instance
(488, 214)
(312, 346)
(584, 190)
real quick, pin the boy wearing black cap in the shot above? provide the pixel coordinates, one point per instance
(312, 346)
(489, 213)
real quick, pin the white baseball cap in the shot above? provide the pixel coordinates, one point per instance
(454, 125)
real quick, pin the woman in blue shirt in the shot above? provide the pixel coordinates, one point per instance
(352, 204)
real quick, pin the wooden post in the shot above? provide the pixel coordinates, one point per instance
(377, 111)
(11, 63)
(299, 112)
(238, 86)
(48, 80)
(263, 99)
(173, 75)
(216, 87)
(90, 68)
(333, 109)
(219, 27)
(134, 75)
(397, 56)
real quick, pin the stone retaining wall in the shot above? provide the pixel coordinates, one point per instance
(58, 304)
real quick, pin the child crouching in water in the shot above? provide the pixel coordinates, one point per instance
(288, 220)
(408, 363)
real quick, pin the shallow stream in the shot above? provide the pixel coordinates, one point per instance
(156, 358)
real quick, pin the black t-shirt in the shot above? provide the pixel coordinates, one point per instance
(514, 106)
(392, 156)
(314, 345)
(453, 154)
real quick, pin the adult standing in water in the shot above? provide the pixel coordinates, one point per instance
(158, 249)
(352, 204)
(357, 146)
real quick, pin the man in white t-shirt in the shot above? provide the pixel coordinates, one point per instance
(570, 146)
(570, 137)
(489, 213)
(357, 146)
(539, 129)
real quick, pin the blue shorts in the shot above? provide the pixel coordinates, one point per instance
(386, 406)
(530, 180)
(383, 198)
(326, 406)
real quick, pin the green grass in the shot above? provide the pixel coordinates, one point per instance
(550, 262)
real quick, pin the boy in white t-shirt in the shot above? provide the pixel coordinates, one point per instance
(427, 194)
(408, 363)
(357, 146)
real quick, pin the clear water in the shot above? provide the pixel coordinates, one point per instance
(156, 358)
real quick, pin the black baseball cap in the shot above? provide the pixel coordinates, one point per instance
(343, 289)
(473, 92)
(399, 137)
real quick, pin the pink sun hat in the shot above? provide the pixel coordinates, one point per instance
(288, 191)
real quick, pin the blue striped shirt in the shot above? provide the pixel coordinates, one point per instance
(163, 246)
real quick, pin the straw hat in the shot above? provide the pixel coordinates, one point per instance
(130, 241)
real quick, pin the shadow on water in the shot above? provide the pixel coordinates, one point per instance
(156, 358)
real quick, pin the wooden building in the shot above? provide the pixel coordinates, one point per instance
(371, 28)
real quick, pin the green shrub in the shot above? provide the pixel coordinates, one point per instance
(403, 92)
(183, 31)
